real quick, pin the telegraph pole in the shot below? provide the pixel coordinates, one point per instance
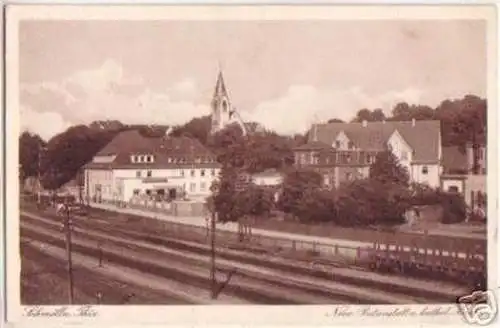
(39, 189)
(212, 271)
(68, 225)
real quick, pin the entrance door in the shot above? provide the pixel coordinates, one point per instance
(172, 193)
(160, 194)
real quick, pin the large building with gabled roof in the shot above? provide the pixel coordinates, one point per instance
(132, 165)
(345, 151)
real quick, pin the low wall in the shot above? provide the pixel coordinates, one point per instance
(175, 208)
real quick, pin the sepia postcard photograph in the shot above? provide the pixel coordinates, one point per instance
(250, 165)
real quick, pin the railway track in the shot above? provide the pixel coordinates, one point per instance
(254, 278)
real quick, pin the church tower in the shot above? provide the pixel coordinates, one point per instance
(220, 106)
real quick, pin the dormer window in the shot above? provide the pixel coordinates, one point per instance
(351, 145)
(337, 144)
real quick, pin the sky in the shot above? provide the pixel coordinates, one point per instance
(282, 74)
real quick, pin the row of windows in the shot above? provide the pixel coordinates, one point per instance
(142, 158)
(170, 160)
(149, 174)
(203, 173)
(338, 158)
(350, 145)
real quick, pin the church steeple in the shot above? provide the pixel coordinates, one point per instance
(220, 106)
(220, 87)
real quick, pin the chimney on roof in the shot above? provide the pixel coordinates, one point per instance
(413, 122)
(365, 123)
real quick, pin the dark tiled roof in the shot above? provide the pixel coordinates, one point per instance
(424, 137)
(313, 145)
(168, 152)
(454, 159)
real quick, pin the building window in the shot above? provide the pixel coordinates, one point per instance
(202, 173)
(148, 192)
(136, 192)
(337, 144)
(213, 172)
(351, 145)
(192, 173)
(149, 173)
(348, 176)
(302, 158)
(138, 174)
(203, 186)
(182, 173)
(192, 187)
(425, 170)
(453, 189)
(404, 156)
(141, 159)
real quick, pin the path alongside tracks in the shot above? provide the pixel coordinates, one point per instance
(254, 281)
(322, 244)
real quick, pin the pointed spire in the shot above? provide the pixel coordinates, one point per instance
(220, 87)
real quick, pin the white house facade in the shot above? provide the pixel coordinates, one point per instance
(416, 144)
(167, 168)
(269, 177)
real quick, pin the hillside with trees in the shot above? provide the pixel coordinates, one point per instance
(462, 120)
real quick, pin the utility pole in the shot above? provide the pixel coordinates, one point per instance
(39, 187)
(68, 225)
(212, 271)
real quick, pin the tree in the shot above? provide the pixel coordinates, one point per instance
(363, 115)
(297, 184)
(376, 115)
(30, 147)
(387, 169)
(372, 201)
(224, 199)
(316, 205)
(470, 126)
(335, 120)
(198, 127)
(68, 151)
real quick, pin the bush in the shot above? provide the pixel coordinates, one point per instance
(453, 204)
(316, 205)
(370, 201)
(454, 208)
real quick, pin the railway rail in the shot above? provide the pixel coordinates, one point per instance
(257, 278)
